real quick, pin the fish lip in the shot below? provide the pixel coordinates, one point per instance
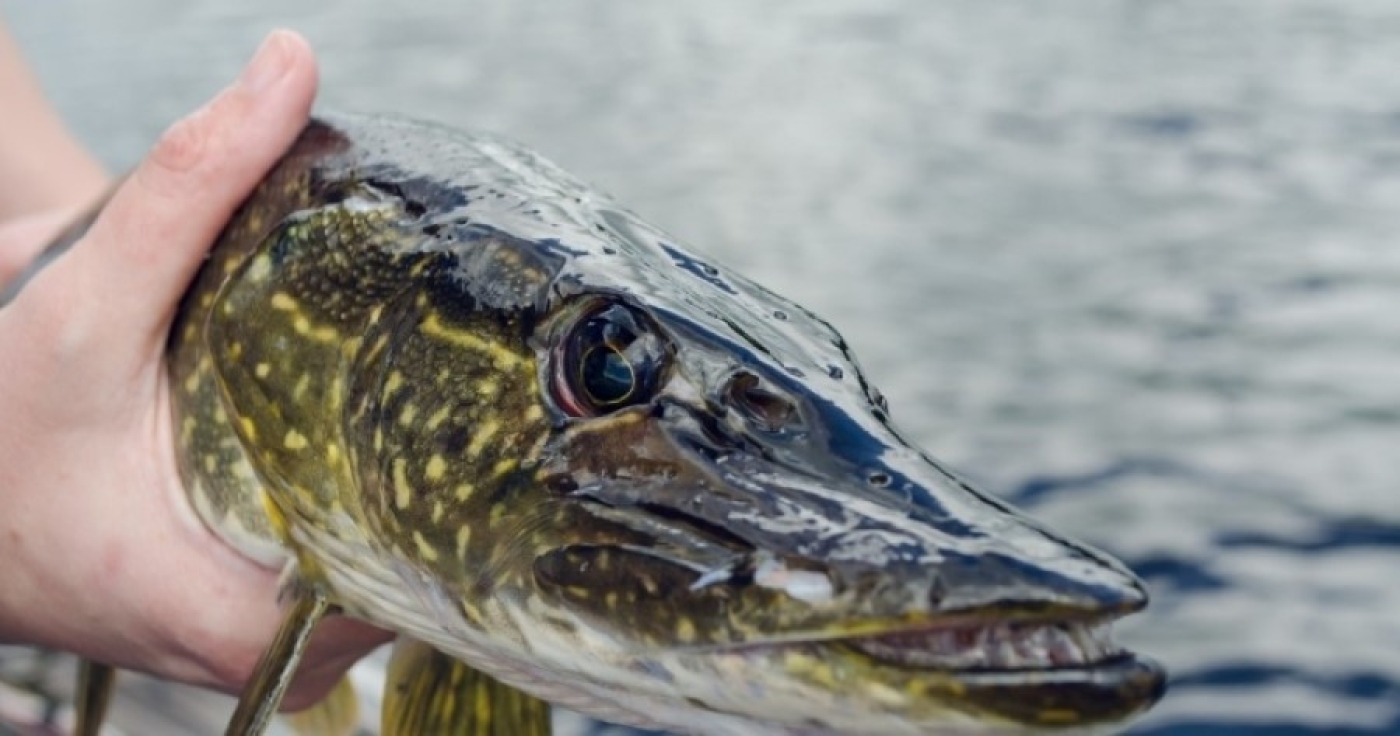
(1090, 638)
(1110, 687)
(1110, 690)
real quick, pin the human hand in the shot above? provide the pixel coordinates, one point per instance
(102, 554)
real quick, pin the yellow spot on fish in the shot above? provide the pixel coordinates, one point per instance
(464, 492)
(503, 356)
(303, 385)
(685, 630)
(1058, 715)
(424, 548)
(503, 467)
(534, 413)
(464, 536)
(211, 463)
(438, 510)
(301, 324)
(220, 415)
(437, 466)
(885, 694)
(333, 453)
(294, 440)
(439, 417)
(812, 669)
(378, 346)
(533, 454)
(192, 383)
(260, 268)
(409, 413)
(250, 430)
(283, 302)
(403, 494)
(393, 382)
(482, 436)
(486, 389)
(235, 351)
(262, 369)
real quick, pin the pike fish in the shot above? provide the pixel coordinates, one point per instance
(457, 393)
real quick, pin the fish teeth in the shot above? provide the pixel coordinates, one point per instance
(1002, 646)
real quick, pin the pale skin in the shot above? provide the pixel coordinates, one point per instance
(102, 554)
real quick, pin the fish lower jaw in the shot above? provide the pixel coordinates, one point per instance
(1007, 646)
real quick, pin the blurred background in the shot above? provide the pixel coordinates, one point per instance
(1132, 264)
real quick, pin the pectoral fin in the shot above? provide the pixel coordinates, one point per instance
(263, 694)
(428, 692)
(95, 683)
(336, 715)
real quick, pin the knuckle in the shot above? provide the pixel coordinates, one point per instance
(182, 145)
(176, 160)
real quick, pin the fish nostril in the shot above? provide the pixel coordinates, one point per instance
(937, 592)
(769, 409)
(561, 484)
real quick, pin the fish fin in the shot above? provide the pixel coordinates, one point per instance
(427, 691)
(338, 714)
(263, 693)
(95, 683)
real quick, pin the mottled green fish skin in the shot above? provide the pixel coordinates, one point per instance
(366, 376)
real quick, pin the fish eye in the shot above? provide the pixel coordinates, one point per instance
(612, 358)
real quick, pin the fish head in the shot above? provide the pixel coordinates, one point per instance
(634, 471)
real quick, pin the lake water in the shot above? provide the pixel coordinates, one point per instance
(1134, 265)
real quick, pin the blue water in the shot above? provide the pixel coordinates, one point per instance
(1131, 264)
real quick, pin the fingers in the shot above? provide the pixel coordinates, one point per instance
(41, 165)
(22, 240)
(126, 276)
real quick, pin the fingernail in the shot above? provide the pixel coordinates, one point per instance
(269, 64)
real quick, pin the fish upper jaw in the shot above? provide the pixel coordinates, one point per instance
(784, 547)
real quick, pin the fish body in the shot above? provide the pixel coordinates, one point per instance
(463, 396)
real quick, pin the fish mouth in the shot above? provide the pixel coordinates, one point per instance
(1034, 674)
(997, 647)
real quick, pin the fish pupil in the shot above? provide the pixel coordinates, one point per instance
(607, 376)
